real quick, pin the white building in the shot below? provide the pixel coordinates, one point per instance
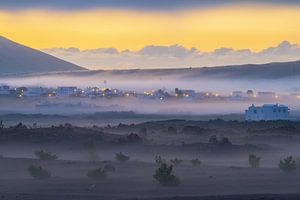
(267, 112)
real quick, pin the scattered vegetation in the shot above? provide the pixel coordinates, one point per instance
(176, 161)
(225, 141)
(195, 162)
(45, 155)
(19, 126)
(193, 130)
(134, 138)
(164, 175)
(214, 140)
(38, 172)
(122, 157)
(288, 164)
(97, 174)
(254, 161)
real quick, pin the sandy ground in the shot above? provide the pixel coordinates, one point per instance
(133, 180)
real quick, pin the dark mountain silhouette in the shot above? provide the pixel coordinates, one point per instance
(19, 59)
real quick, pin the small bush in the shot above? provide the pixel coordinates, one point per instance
(97, 174)
(165, 177)
(195, 162)
(109, 168)
(176, 161)
(133, 138)
(45, 155)
(121, 157)
(39, 172)
(225, 141)
(158, 160)
(254, 161)
(288, 164)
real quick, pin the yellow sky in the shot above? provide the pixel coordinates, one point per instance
(239, 27)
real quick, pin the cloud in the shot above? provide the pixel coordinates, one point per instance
(175, 56)
(172, 51)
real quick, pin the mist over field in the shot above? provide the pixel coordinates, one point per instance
(277, 77)
(283, 79)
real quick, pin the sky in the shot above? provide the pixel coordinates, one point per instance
(130, 26)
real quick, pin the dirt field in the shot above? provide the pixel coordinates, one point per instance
(224, 172)
(134, 180)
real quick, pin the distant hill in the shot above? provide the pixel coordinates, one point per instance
(253, 71)
(18, 59)
(271, 71)
(243, 72)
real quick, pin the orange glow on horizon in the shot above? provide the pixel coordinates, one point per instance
(244, 26)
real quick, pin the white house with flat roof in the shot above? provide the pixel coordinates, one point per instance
(267, 112)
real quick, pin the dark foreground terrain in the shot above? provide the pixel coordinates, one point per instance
(134, 180)
(222, 148)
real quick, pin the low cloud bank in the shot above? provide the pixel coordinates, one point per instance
(175, 56)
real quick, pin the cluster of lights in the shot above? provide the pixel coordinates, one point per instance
(149, 93)
(104, 91)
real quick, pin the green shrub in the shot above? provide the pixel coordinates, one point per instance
(176, 161)
(45, 155)
(195, 162)
(254, 161)
(97, 174)
(39, 172)
(121, 157)
(164, 175)
(288, 164)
